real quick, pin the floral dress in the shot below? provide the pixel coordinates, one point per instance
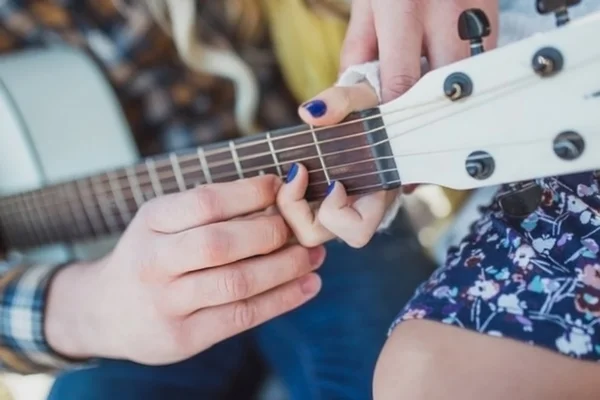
(535, 279)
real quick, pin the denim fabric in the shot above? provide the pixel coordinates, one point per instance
(325, 350)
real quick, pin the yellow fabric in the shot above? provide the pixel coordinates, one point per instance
(307, 45)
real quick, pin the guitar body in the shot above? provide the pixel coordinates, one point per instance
(59, 120)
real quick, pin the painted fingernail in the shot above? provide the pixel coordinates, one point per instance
(330, 188)
(310, 284)
(316, 108)
(291, 173)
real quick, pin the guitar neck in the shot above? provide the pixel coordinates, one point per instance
(355, 152)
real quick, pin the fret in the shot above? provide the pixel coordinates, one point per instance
(177, 171)
(117, 193)
(21, 209)
(204, 165)
(83, 228)
(255, 156)
(105, 205)
(58, 207)
(156, 185)
(297, 145)
(222, 165)
(29, 199)
(93, 217)
(236, 159)
(323, 165)
(134, 184)
(274, 154)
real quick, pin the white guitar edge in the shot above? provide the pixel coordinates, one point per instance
(512, 113)
(59, 120)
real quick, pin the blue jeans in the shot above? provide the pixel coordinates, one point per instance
(324, 350)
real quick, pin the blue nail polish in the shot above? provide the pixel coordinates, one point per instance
(291, 173)
(330, 188)
(316, 108)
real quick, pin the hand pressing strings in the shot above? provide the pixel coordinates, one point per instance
(353, 219)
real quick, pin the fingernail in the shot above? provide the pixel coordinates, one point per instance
(316, 108)
(330, 188)
(310, 284)
(291, 173)
(315, 256)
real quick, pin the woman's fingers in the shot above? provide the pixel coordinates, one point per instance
(297, 212)
(356, 221)
(333, 105)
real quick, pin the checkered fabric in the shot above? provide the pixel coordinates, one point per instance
(167, 106)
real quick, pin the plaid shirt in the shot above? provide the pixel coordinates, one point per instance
(167, 106)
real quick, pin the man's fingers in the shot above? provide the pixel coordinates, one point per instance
(210, 203)
(332, 105)
(297, 212)
(233, 318)
(400, 38)
(240, 280)
(360, 43)
(216, 244)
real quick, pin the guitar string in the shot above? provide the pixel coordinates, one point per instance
(376, 143)
(231, 163)
(115, 214)
(103, 213)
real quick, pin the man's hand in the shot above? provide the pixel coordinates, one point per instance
(399, 32)
(192, 269)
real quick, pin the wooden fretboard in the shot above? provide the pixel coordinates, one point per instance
(355, 152)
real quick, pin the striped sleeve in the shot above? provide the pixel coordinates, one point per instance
(23, 293)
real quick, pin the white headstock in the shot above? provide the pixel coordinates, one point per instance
(513, 113)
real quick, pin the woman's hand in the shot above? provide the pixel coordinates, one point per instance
(399, 32)
(351, 219)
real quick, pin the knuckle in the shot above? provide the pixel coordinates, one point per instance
(214, 246)
(244, 315)
(208, 205)
(298, 260)
(148, 213)
(235, 284)
(276, 231)
(400, 83)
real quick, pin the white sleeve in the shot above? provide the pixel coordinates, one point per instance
(369, 72)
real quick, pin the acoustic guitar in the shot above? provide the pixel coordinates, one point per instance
(526, 110)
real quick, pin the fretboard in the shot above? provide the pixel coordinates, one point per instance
(355, 152)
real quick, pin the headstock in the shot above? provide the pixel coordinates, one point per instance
(526, 110)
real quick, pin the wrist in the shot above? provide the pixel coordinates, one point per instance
(71, 319)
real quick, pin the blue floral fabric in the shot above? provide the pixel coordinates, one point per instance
(535, 279)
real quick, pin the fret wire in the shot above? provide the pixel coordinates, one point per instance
(274, 154)
(204, 164)
(135, 187)
(236, 159)
(117, 193)
(96, 223)
(107, 214)
(30, 222)
(315, 140)
(28, 198)
(156, 185)
(177, 171)
(67, 190)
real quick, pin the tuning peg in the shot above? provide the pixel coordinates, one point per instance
(560, 8)
(473, 25)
